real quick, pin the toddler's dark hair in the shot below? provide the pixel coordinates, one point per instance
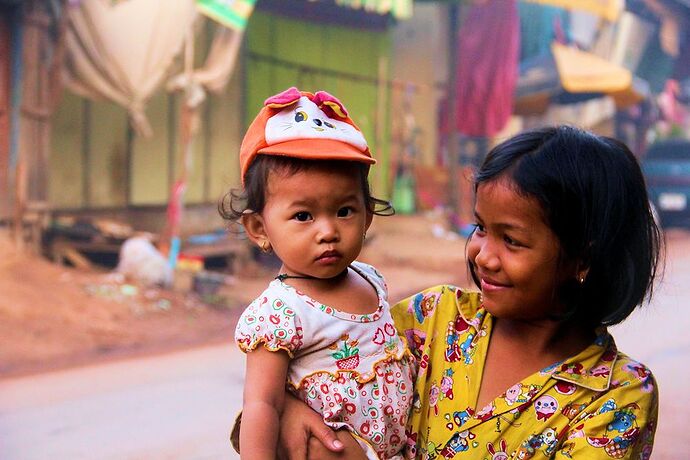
(253, 195)
(593, 196)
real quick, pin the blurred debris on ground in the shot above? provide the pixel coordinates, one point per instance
(54, 316)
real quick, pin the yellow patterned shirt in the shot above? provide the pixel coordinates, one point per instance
(599, 404)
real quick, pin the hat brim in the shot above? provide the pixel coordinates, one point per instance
(318, 149)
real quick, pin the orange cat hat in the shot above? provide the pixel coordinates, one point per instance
(303, 125)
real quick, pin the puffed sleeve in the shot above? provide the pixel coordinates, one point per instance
(621, 423)
(271, 322)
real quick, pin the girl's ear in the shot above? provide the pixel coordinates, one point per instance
(254, 226)
(581, 272)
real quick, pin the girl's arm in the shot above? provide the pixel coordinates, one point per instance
(264, 397)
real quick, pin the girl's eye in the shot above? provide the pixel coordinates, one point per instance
(345, 212)
(478, 229)
(301, 116)
(511, 241)
(302, 216)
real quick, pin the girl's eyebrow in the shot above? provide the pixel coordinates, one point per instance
(504, 225)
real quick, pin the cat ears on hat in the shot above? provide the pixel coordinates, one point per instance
(330, 105)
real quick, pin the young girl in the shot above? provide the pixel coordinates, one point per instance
(565, 245)
(322, 329)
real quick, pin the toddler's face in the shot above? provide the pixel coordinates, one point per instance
(315, 220)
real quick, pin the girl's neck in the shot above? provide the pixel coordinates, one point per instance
(556, 339)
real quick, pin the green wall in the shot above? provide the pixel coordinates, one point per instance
(97, 162)
(282, 52)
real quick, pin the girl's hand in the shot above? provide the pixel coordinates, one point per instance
(302, 430)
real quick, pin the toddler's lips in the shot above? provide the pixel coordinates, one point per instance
(329, 257)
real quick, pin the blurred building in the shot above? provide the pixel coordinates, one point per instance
(116, 146)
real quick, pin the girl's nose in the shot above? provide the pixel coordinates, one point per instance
(328, 232)
(486, 257)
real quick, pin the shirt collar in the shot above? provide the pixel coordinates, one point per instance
(592, 367)
(469, 304)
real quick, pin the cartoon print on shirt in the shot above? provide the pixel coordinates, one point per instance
(461, 417)
(453, 351)
(565, 388)
(434, 394)
(460, 442)
(467, 347)
(415, 341)
(512, 394)
(623, 428)
(447, 384)
(600, 371)
(641, 373)
(571, 410)
(422, 305)
(486, 412)
(500, 454)
(545, 406)
(549, 440)
(608, 405)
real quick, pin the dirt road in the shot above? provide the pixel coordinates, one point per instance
(180, 406)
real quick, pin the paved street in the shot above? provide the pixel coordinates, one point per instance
(177, 406)
(180, 406)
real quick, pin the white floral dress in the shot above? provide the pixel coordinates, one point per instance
(353, 369)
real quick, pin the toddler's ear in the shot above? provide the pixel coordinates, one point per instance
(254, 226)
(370, 218)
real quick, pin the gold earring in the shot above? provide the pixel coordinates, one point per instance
(582, 279)
(265, 246)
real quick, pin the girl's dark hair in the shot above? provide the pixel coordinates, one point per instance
(253, 195)
(593, 196)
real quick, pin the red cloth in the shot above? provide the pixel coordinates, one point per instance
(487, 71)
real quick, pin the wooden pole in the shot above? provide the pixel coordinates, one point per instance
(381, 108)
(453, 145)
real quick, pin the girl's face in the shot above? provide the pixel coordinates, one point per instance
(315, 220)
(515, 254)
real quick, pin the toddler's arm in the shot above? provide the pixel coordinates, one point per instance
(264, 397)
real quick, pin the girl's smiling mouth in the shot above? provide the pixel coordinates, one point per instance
(489, 284)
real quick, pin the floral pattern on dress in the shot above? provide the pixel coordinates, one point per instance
(599, 404)
(353, 369)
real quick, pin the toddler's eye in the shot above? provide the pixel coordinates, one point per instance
(478, 228)
(345, 212)
(302, 216)
(301, 116)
